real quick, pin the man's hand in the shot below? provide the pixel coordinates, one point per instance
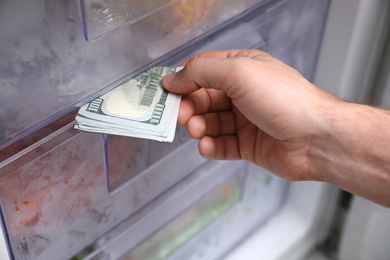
(244, 104)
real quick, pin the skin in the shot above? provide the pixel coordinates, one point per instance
(245, 104)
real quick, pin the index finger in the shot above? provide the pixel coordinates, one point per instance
(198, 72)
(214, 70)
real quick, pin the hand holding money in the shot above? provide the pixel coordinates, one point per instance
(139, 108)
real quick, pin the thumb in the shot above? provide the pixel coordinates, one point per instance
(199, 72)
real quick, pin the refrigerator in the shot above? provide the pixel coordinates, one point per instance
(66, 194)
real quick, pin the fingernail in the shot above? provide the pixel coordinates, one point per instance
(168, 79)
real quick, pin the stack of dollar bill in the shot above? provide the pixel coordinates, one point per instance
(139, 108)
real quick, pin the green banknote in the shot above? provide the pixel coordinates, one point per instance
(139, 107)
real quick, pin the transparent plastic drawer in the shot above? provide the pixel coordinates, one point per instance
(263, 195)
(202, 217)
(210, 192)
(64, 191)
(58, 55)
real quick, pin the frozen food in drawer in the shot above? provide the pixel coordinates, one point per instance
(100, 17)
(54, 194)
(51, 191)
(251, 32)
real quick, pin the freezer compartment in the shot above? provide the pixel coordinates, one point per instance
(48, 68)
(56, 197)
(203, 217)
(62, 190)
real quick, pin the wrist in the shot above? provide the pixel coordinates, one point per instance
(352, 150)
(331, 120)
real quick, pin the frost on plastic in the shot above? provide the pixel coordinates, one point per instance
(56, 198)
(47, 65)
(56, 202)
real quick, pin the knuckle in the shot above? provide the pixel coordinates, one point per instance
(239, 68)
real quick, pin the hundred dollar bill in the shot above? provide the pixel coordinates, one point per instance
(139, 108)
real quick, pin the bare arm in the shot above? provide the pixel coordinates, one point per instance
(353, 151)
(244, 104)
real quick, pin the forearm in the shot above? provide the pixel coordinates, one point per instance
(353, 151)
